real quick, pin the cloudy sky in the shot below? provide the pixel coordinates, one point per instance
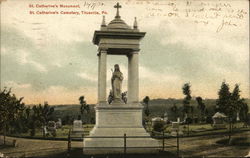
(52, 57)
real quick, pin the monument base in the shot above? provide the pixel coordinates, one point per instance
(112, 122)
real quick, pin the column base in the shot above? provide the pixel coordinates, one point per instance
(115, 121)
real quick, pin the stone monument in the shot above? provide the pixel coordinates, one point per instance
(118, 118)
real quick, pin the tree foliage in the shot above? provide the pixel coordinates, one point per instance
(11, 111)
(84, 106)
(84, 109)
(230, 103)
(11, 107)
(146, 103)
(186, 101)
(201, 106)
(174, 110)
(41, 115)
(224, 99)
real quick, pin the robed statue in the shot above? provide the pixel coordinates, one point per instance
(116, 82)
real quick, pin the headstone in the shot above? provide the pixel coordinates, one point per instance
(238, 117)
(77, 129)
(176, 128)
(51, 125)
(45, 131)
(59, 123)
(77, 126)
(52, 128)
(165, 118)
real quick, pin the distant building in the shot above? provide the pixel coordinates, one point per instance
(219, 120)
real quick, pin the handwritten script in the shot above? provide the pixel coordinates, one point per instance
(219, 13)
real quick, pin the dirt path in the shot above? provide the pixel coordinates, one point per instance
(33, 147)
(207, 146)
(193, 146)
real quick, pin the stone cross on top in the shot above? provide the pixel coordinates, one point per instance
(117, 6)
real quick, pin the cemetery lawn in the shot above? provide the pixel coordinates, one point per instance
(194, 130)
(61, 133)
(205, 129)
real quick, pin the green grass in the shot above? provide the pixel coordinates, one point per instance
(202, 129)
(236, 141)
(194, 130)
(61, 133)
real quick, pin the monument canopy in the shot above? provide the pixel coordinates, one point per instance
(117, 37)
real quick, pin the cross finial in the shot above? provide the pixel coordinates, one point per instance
(135, 24)
(117, 6)
(103, 22)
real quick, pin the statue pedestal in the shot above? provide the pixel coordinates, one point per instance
(114, 121)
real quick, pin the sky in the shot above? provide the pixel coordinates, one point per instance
(52, 57)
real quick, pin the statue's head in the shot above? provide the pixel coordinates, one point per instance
(117, 67)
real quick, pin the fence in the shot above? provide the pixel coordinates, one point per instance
(162, 147)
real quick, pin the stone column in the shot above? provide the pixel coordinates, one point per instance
(102, 77)
(133, 78)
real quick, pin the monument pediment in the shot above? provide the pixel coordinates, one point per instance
(117, 35)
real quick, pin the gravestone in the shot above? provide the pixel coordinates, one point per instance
(52, 128)
(178, 119)
(77, 126)
(176, 128)
(238, 117)
(45, 131)
(59, 123)
(165, 117)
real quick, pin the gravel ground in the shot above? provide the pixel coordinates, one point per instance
(207, 146)
(189, 147)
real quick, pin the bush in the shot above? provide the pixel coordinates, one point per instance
(209, 120)
(32, 132)
(158, 126)
(189, 120)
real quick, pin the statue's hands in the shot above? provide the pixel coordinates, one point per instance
(121, 77)
(115, 76)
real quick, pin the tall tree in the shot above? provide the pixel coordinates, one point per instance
(41, 116)
(186, 101)
(236, 102)
(224, 100)
(146, 103)
(47, 112)
(11, 109)
(84, 108)
(174, 110)
(230, 103)
(201, 106)
(244, 113)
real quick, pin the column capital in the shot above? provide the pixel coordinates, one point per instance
(102, 51)
(135, 51)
